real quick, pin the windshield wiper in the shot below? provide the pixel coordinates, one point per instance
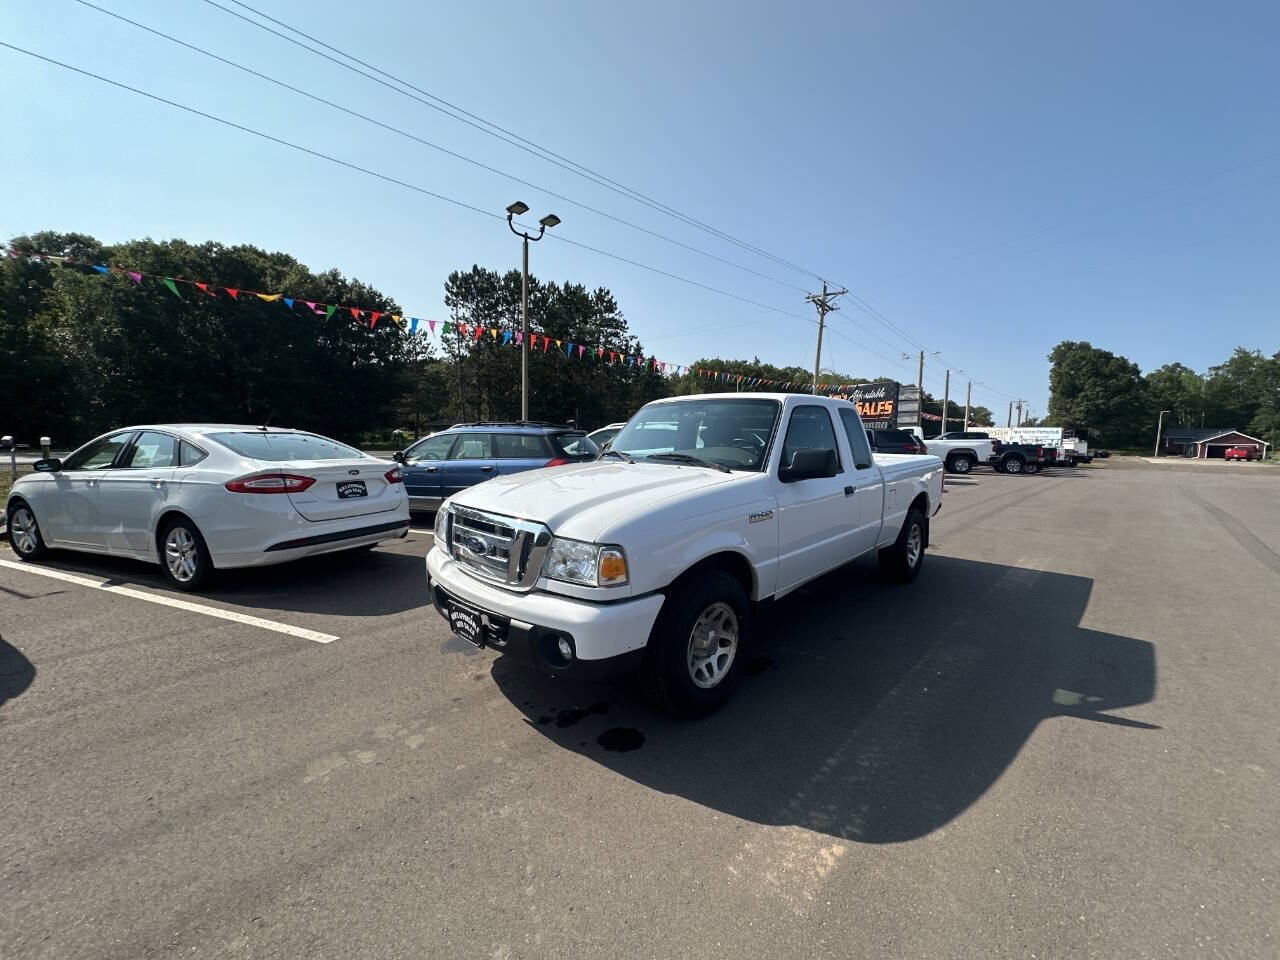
(687, 458)
(620, 454)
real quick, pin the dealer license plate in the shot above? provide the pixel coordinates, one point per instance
(352, 488)
(466, 623)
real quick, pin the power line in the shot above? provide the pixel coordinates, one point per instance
(400, 183)
(434, 146)
(346, 60)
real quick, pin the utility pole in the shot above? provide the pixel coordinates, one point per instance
(946, 395)
(920, 374)
(1159, 424)
(823, 303)
(1019, 421)
(1009, 422)
(968, 392)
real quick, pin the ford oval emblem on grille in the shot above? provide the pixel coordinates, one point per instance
(354, 473)
(477, 545)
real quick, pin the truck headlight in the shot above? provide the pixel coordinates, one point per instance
(442, 528)
(588, 564)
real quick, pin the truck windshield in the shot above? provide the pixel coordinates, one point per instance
(732, 433)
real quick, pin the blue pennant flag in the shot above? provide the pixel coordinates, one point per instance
(506, 337)
(288, 302)
(568, 349)
(413, 326)
(100, 269)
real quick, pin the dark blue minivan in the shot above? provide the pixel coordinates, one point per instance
(440, 465)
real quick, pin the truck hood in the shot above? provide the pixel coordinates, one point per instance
(581, 501)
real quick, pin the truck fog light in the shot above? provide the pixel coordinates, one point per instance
(565, 648)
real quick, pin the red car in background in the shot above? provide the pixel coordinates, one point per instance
(1243, 453)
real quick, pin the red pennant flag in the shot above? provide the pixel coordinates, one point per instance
(599, 352)
(373, 319)
(546, 343)
(478, 330)
(613, 357)
(232, 292)
(533, 340)
(355, 312)
(204, 288)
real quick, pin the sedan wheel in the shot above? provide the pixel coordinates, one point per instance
(24, 532)
(184, 556)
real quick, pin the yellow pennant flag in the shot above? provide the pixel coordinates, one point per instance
(559, 343)
(269, 297)
(493, 332)
(395, 318)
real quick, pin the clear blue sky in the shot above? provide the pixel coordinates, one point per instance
(990, 177)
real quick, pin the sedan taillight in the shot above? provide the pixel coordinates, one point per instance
(557, 462)
(923, 449)
(270, 483)
(393, 475)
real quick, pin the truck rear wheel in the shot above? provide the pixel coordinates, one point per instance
(1013, 464)
(695, 653)
(902, 561)
(1031, 468)
(960, 463)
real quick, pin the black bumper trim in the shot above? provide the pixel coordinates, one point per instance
(338, 536)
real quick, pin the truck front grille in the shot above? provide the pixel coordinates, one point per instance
(500, 549)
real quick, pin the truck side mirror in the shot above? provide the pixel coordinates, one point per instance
(808, 465)
(398, 456)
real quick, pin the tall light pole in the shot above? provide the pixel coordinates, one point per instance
(519, 209)
(968, 393)
(1159, 424)
(946, 397)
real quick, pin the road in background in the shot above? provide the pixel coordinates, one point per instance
(1060, 741)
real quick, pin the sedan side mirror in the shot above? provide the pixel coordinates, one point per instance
(809, 465)
(51, 465)
(398, 457)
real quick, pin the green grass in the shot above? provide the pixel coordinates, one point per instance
(6, 478)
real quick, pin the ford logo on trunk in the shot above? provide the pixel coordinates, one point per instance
(477, 545)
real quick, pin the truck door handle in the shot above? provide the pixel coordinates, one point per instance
(485, 469)
(848, 491)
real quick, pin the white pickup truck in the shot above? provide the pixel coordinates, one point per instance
(962, 450)
(657, 556)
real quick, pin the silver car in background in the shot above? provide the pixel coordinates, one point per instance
(198, 497)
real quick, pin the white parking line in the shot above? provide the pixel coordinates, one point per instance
(172, 602)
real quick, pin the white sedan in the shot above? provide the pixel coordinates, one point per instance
(198, 497)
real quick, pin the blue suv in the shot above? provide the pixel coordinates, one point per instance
(440, 465)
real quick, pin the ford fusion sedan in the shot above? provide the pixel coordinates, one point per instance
(199, 497)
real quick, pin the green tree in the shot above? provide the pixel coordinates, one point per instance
(1178, 389)
(1098, 390)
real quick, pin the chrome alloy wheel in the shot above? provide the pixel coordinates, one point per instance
(915, 541)
(23, 531)
(180, 554)
(713, 643)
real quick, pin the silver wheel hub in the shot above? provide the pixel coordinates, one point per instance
(180, 554)
(713, 643)
(23, 531)
(915, 542)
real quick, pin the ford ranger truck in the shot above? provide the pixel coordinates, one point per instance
(656, 557)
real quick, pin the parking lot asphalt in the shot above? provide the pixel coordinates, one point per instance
(1061, 741)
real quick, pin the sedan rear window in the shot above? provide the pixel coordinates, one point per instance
(278, 447)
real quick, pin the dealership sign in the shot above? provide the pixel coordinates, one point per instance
(877, 403)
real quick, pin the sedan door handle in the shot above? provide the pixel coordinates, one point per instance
(485, 469)
(158, 483)
(848, 491)
(432, 469)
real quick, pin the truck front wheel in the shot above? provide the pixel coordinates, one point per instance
(695, 653)
(960, 463)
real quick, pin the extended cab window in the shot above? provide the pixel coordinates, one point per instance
(857, 439)
(810, 429)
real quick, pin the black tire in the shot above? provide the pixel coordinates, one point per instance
(961, 463)
(1031, 469)
(669, 674)
(900, 562)
(24, 535)
(1013, 464)
(191, 546)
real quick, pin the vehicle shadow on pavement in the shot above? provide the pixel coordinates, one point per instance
(352, 583)
(16, 672)
(870, 712)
